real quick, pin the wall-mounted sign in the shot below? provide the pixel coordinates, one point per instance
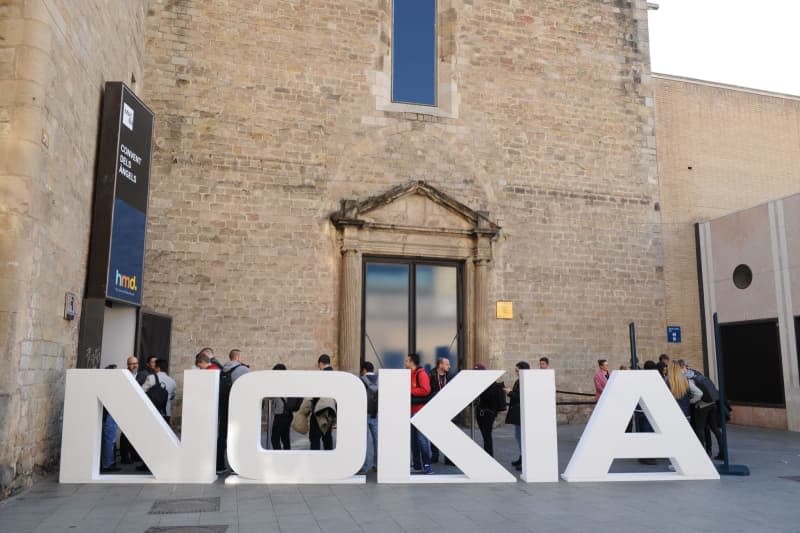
(69, 306)
(116, 261)
(190, 458)
(505, 310)
(673, 334)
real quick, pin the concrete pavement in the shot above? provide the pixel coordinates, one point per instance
(764, 502)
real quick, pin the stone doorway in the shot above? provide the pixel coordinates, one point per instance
(399, 227)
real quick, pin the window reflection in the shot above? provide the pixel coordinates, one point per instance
(437, 313)
(386, 314)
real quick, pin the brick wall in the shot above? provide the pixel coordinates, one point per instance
(55, 56)
(720, 149)
(267, 118)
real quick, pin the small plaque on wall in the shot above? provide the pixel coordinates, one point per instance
(69, 306)
(505, 310)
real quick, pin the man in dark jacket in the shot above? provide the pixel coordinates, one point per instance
(439, 377)
(514, 416)
(315, 433)
(230, 372)
(133, 367)
(490, 402)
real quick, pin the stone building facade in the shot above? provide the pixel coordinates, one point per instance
(54, 58)
(547, 129)
(281, 164)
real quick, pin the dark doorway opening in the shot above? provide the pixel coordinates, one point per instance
(155, 337)
(752, 363)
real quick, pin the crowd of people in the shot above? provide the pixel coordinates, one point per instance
(316, 417)
(160, 388)
(696, 395)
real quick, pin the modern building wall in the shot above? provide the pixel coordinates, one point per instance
(721, 149)
(269, 115)
(54, 59)
(763, 239)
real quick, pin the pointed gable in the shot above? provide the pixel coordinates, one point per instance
(414, 206)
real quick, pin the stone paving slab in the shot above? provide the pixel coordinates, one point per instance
(764, 502)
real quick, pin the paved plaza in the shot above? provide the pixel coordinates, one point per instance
(767, 501)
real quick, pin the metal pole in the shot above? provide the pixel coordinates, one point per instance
(634, 356)
(634, 363)
(726, 468)
(721, 381)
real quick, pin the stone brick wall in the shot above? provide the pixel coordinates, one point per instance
(55, 56)
(720, 149)
(267, 118)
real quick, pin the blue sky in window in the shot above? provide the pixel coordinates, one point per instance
(414, 52)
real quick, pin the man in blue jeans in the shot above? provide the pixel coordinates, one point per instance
(420, 392)
(108, 459)
(370, 380)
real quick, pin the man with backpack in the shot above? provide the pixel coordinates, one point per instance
(157, 391)
(420, 392)
(322, 415)
(370, 380)
(282, 410)
(231, 371)
(704, 421)
(159, 387)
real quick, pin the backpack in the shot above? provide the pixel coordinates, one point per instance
(225, 384)
(710, 392)
(418, 400)
(291, 405)
(158, 395)
(372, 396)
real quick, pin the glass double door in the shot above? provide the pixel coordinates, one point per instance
(411, 306)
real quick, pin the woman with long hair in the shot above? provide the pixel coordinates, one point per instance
(685, 392)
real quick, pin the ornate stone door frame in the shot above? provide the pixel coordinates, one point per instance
(414, 220)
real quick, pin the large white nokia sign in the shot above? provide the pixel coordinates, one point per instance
(192, 458)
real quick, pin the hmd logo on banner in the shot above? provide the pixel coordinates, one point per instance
(125, 270)
(125, 283)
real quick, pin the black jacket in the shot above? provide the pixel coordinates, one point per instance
(141, 376)
(492, 399)
(514, 415)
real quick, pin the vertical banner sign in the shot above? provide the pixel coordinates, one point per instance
(118, 226)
